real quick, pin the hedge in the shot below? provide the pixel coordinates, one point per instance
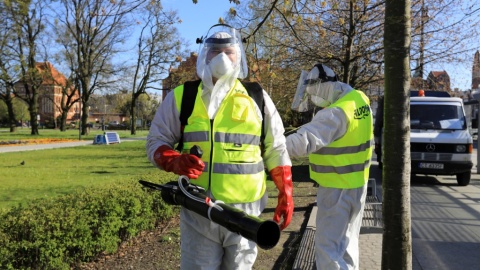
(63, 232)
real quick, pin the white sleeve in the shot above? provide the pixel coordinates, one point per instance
(274, 142)
(326, 126)
(165, 127)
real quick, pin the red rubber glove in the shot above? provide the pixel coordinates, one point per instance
(181, 164)
(282, 177)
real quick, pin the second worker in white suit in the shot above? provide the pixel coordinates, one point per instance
(338, 142)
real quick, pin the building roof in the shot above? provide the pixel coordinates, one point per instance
(51, 76)
(438, 73)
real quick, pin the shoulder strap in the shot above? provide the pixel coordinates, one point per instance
(190, 89)
(255, 91)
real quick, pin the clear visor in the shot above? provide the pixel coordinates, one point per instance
(301, 100)
(221, 38)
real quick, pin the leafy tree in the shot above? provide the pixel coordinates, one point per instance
(158, 47)
(344, 34)
(27, 22)
(92, 31)
(6, 67)
(6, 95)
(20, 109)
(397, 239)
(146, 106)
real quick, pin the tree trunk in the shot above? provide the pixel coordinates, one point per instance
(12, 122)
(397, 241)
(34, 122)
(33, 109)
(133, 117)
(85, 129)
(63, 120)
(84, 97)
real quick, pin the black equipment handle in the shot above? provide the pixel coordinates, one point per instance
(197, 151)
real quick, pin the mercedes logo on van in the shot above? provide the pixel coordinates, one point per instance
(430, 147)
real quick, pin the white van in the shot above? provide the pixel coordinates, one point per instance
(440, 142)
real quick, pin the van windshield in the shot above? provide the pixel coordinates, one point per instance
(436, 116)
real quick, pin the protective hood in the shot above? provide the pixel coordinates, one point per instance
(319, 87)
(221, 55)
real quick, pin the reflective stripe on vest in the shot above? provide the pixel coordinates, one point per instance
(345, 163)
(235, 171)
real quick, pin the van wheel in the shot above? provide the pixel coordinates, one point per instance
(463, 179)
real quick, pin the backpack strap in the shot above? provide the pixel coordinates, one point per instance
(190, 89)
(255, 91)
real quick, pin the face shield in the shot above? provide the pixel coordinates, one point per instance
(316, 88)
(221, 56)
(301, 100)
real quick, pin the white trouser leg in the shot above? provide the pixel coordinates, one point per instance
(206, 245)
(338, 222)
(239, 256)
(352, 255)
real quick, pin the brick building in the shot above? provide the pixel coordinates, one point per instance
(438, 81)
(186, 71)
(50, 94)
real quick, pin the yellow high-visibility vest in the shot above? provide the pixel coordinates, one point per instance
(234, 170)
(345, 163)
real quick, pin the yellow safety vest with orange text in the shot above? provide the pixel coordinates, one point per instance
(345, 163)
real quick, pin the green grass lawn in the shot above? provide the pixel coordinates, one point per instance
(53, 172)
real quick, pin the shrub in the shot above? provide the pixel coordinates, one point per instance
(59, 233)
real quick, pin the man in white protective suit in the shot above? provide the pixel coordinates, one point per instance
(227, 125)
(338, 141)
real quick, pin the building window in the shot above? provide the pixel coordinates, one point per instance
(47, 105)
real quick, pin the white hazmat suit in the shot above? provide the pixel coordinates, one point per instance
(340, 211)
(205, 244)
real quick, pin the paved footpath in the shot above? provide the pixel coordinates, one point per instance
(370, 237)
(30, 147)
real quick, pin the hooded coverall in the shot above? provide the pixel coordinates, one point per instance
(205, 244)
(340, 204)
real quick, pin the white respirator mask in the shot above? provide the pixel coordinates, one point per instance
(220, 65)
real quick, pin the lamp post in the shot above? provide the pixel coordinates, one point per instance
(104, 115)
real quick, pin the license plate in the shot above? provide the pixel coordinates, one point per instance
(438, 166)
